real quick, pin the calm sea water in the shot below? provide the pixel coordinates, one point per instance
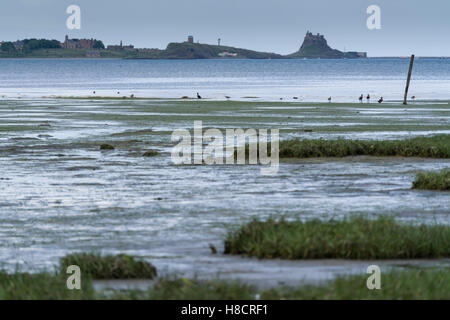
(309, 80)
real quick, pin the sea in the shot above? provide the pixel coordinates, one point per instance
(306, 80)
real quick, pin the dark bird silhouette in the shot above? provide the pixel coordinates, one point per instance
(228, 97)
(361, 98)
(118, 92)
(198, 96)
(94, 92)
(295, 98)
(381, 100)
(329, 99)
(413, 97)
(368, 97)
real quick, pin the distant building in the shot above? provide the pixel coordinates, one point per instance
(120, 47)
(356, 54)
(227, 54)
(93, 54)
(78, 43)
(190, 39)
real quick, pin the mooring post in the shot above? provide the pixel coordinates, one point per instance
(405, 100)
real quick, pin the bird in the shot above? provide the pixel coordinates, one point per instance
(94, 92)
(381, 100)
(228, 97)
(118, 92)
(295, 98)
(368, 97)
(361, 98)
(198, 96)
(413, 97)
(329, 99)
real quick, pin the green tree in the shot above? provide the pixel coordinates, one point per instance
(8, 47)
(30, 45)
(99, 45)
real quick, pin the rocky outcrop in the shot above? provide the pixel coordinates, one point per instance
(316, 46)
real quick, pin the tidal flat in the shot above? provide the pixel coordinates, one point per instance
(62, 194)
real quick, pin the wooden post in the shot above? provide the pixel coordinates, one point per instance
(405, 100)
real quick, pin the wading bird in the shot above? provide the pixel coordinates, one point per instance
(198, 96)
(381, 100)
(368, 97)
(361, 98)
(329, 99)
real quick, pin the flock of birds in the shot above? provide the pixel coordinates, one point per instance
(361, 97)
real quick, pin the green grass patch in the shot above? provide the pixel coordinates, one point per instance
(351, 238)
(119, 266)
(433, 180)
(425, 284)
(428, 147)
(41, 286)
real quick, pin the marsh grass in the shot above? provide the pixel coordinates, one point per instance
(41, 286)
(428, 147)
(424, 284)
(433, 180)
(395, 284)
(351, 238)
(119, 266)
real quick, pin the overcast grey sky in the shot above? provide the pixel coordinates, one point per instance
(408, 26)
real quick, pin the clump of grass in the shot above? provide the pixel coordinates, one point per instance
(109, 267)
(425, 284)
(151, 153)
(428, 147)
(433, 180)
(351, 238)
(106, 146)
(41, 286)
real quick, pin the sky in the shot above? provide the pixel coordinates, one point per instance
(407, 26)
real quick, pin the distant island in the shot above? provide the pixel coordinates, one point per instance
(313, 47)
